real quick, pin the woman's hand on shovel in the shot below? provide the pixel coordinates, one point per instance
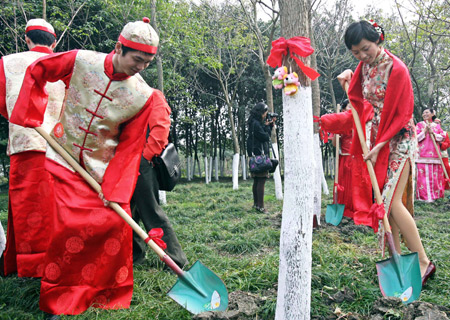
(373, 154)
(344, 77)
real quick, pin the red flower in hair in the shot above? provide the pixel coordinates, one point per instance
(378, 29)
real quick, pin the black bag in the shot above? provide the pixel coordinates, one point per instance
(167, 167)
(260, 163)
(274, 162)
(274, 165)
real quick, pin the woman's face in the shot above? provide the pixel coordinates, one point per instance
(264, 115)
(366, 51)
(427, 115)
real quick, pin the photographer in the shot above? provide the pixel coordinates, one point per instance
(259, 130)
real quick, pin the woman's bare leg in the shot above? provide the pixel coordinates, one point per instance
(395, 234)
(405, 221)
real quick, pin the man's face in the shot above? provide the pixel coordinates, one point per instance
(131, 63)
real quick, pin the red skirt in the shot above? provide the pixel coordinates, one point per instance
(345, 180)
(89, 261)
(30, 214)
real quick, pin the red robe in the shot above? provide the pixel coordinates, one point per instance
(342, 123)
(397, 112)
(89, 262)
(30, 204)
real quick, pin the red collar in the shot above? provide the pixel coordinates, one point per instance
(42, 49)
(109, 69)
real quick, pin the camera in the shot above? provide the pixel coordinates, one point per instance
(271, 115)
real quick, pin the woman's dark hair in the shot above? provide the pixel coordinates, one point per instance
(40, 37)
(362, 30)
(257, 111)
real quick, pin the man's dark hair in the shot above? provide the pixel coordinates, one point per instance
(40, 37)
(126, 49)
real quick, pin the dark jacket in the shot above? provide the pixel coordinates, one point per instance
(258, 137)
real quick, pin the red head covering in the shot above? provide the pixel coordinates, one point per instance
(140, 35)
(40, 24)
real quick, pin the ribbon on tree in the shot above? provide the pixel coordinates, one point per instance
(156, 234)
(377, 212)
(301, 46)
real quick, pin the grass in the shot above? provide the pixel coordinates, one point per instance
(216, 225)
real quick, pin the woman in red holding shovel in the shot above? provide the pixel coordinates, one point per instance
(383, 80)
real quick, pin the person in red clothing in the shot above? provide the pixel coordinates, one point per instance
(30, 185)
(445, 144)
(107, 110)
(383, 80)
(345, 162)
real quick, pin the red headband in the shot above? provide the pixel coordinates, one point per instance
(39, 28)
(138, 46)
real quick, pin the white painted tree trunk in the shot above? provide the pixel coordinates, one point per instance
(2, 239)
(317, 177)
(277, 174)
(294, 278)
(206, 170)
(162, 197)
(235, 176)
(216, 168)
(244, 167)
(210, 168)
(324, 184)
(188, 168)
(199, 168)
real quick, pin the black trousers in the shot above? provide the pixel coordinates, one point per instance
(145, 207)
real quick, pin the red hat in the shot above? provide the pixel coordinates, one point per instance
(40, 24)
(140, 35)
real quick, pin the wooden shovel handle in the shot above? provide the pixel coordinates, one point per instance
(336, 165)
(96, 186)
(373, 177)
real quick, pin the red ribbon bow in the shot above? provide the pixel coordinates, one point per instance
(377, 212)
(301, 46)
(156, 234)
(322, 133)
(340, 188)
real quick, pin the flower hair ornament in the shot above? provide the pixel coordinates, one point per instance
(378, 28)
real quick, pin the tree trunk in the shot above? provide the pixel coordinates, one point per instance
(235, 174)
(44, 9)
(294, 279)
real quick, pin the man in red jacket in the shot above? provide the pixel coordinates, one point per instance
(107, 111)
(30, 209)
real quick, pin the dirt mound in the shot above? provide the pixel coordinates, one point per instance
(241, 306)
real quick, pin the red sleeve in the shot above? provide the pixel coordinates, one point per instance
(446, 143)
(3, 110)
(122, 172)
(338, 123)
(32, 101)
(159, 124)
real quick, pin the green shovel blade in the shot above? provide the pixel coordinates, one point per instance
(399, 276)
(334, 213)
(200, 290)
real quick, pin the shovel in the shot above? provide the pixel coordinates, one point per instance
(446, 180)
(198, 289)
(399, 276)
(335, 211)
